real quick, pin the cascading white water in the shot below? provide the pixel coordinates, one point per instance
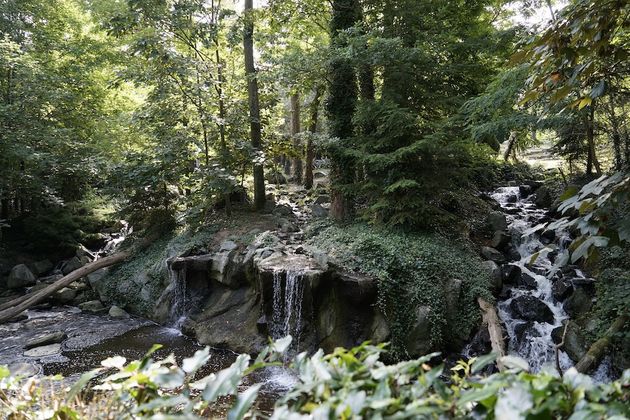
(535, 344)
(287, 305)
(179, 304)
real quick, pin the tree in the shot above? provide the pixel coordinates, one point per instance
(340, 107)
(254, 106)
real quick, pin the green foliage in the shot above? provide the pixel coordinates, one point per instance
(412, 270)
(599, 211)
(345, 384)
(145, 388)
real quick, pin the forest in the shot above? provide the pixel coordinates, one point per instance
(314, 209)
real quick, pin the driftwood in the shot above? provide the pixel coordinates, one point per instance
(597, 350)
(491, 320)
(17, 306)
(559, 346)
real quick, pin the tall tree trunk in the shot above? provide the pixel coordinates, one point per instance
(510, 146)
(254, 105)
(295, 129)
(342, 98)
(615, 133)
(590, 138)
(312, 128)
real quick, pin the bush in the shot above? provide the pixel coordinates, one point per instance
(345, 384)
(412, 270)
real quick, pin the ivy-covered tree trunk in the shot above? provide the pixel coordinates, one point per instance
(342, 98)
(312, 128)
(295, 129)
(254, 105)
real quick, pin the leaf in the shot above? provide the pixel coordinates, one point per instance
(226, 381)
(281, 345)
(483, 361)
(584, 102)
(598, 90)
(114, 362)
(243, 402)
(479, 394)
(81, 383)
(192, 364)
(515, 362)
(583, 248)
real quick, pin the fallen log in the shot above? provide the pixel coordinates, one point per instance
(491, 320)
(17, 306)
(596, 351)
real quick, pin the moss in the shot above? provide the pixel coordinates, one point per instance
(413, 270)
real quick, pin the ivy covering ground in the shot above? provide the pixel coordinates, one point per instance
(413, 270)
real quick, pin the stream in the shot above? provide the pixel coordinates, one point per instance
(527, 305)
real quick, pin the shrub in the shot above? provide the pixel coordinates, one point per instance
(345, 384)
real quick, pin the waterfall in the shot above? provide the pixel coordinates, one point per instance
(287, 305)
(535, 343)
(180, 303)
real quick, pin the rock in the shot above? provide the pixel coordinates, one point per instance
(223, 269)
(39, 268)
(547, 236)
(50, 279)
(318, 211)
(116, 312)
(95, 278)
(584, 282)
(526, 281)
(525, 190)
(543, 197)
(319, 174)
(496, 221)
(500, 239)
(24, 370)
(578, 304)
(524, 330)
(49, 350)
(229, 320)
(510, 273)
(512, 198)
(65, 295)
(93, 306)
(418, 341)
(380, 329)
(228, 246)
(275, 177)
(283, 210)
(322, 199)
(72, 264)
(512, 253)
(492, 254)
(530, 308)
(262, 325)
(20, 276)
(561, 289)
(575, 344)
(287, 227)
(495, 274)
(45, 339)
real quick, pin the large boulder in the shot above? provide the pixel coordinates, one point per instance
(117, 312)
(418, 341)
(500, 239)
(318, 211)
(530, 308)
(510, 273)
(496, 221)
(20, 276)
(65, 295)
(229, 320)
(544, 197)
(44, 351)
(578, 304)
(72, 264)
(575, 343)
(492, 254)
(40, 268)
(495, 274)
(527, 281)
(561, 289)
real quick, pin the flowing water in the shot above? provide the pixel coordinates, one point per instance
(181, 304)
(287, 305)
(532, 339)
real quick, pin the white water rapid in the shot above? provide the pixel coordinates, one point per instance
(532, 339)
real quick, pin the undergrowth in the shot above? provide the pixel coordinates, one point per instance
(413, 270)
